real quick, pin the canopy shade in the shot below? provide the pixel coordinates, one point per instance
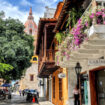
(5, 85)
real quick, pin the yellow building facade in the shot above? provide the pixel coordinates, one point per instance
(59, 88)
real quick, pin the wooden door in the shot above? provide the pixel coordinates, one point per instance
(93, 88)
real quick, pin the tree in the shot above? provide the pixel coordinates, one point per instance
(16, 47)
(3, 69)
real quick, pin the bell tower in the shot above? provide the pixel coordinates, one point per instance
(30, 25)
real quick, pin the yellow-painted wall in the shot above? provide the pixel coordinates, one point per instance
(56, 100)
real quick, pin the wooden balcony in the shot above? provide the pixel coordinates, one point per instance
(46, 65)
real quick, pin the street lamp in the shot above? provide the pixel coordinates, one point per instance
(78, 70)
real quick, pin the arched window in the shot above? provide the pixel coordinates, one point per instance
(30, 31)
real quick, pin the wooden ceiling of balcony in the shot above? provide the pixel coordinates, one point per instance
(63, 15)
(48, 69)
(50, 33)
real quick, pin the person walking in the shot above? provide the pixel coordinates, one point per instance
(20, 92)
(23, 93)
(76, 95)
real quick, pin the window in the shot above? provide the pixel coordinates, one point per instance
(53, 87)
(30, 32)
(60, 88)
(31, 77)
(34, 59)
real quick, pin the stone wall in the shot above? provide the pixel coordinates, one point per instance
(25, 82)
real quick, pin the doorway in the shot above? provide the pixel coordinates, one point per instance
(84, 89)
(50, 90)
(100, 87)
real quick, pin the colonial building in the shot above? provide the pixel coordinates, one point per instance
(29, 80)
(88, 52)
(57, 90)
(49, 13)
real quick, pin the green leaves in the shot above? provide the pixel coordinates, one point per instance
(73, 16)
(5, 67)
(16, 48)
(59, 37)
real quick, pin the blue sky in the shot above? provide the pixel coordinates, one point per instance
(19, 9)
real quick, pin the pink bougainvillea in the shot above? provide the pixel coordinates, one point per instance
(99, 13)
(92, 15)
(78, 34)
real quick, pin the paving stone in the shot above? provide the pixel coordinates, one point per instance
(20, 100)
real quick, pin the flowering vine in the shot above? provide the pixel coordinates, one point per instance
(78, 34)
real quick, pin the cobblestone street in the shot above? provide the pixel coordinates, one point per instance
(20, 100)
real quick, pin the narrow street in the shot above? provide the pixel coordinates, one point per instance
(20, 100)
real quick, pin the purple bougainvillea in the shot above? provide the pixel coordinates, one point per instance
(78, 34)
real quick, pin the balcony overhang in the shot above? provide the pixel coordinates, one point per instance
(47, 69)
(44, 22)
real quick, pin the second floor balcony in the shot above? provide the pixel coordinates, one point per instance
(46, 65)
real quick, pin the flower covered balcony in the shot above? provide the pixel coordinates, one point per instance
(91, 22)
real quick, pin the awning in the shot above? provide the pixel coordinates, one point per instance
(6, 85)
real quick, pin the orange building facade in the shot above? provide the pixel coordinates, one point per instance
(59, 85)
(59, 88)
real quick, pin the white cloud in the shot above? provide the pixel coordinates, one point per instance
(25, 3)
(47, 2)
(14, 12)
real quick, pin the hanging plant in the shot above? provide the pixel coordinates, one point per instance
(59, 37)
(73, 16)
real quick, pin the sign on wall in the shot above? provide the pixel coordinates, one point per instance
(97, 62)
(61, 75)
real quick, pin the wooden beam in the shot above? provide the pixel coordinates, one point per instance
(64, 22)
(45, 41)
(42, 46)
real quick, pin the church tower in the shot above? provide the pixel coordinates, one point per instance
(29, 79)
(30, 25)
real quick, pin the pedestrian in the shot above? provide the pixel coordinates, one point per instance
(76, 95)
(20, 92)
(23, 93)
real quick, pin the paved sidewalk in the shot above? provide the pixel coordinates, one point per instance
(20, 100)
(45, 103)
(42, 101)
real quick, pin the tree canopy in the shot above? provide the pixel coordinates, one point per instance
(16, 47)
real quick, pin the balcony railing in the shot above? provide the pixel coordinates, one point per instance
(49, 57)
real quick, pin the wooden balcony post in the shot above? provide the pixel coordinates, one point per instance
(42, 46)
(45, 41)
